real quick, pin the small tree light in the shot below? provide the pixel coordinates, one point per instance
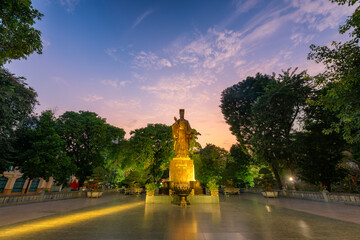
(291, 179)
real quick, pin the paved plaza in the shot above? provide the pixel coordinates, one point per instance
(115, 216)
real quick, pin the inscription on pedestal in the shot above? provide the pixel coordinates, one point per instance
(181, 170)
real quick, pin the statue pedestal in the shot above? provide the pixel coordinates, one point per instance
(181, 170)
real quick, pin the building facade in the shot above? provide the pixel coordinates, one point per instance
(11, 182)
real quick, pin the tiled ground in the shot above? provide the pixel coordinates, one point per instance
(237, 217)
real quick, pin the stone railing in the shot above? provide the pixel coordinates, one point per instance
(133, 191)
(350, 198)
(37, 197)
(324, 196)
(317, 196)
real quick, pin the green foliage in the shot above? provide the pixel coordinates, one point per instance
(194, 144)
(236, 105)
(239, 170)
(119, 160)
(151, 187)
(318, 155)
(152, 149)
(17, 101)
(18, 39)
(144, 157)
(266, 179)
(274, 115)
(211, 185)
(41, 151)
(342, 78)
(97, 179)
(211, 163)
(261, 112)
(87, 138)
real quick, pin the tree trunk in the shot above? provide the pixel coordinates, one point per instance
(28, 186)
(277, 175)
(81, 183)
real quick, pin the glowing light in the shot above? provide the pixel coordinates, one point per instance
(62, 221)
(291, 179)
(268, 208)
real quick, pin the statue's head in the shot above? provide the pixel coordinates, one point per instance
(182, 113)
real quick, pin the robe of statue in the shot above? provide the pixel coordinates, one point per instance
(182, 135)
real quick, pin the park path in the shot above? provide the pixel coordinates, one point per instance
(339, 211)
(18, 213)
(244, 217)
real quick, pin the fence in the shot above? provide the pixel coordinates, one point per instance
(37, 197)
(317, 196)
(324, 196)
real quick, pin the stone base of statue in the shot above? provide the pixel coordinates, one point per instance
(181, 170)
(176, 199)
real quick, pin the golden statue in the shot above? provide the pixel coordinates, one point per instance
(182, 135)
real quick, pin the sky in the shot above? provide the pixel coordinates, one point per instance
(137, 62)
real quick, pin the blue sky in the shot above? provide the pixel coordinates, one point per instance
(138, 62)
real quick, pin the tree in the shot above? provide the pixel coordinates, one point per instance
(318, 155)
(240, 170)
(18, 39)
(211, 164)
(236, 105)
(342, 77)
(274, 116)
(87, 137)
(17, 101)
(119, 161)
(262, 111)
(152, 149)
(41, 151)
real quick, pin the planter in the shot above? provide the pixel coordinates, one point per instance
(270, 194)
(150, 193)
(214, 192)
(231, 190)
(94, 194)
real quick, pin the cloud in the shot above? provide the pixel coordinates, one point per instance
(142, 17)
(241, 6)
(300, 38)
(320, 14)
(114, 82)
(92, 98)
(149, 60)
(139, 77)
(122, 104)
(60, 80)
(45, 43)
(212, 51)
(245, 5)
(178, 87)
(238, 63)
(112, 53)
(69, 5)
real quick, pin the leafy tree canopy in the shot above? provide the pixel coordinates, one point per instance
(317, 154)
(240, 171)
(18, 39)
(342, 77)
(17, 101)
(237, 101)
(211, 164)
(152, 150)
(262, 112)
(41, 151)
(274, 116)
(87, 136)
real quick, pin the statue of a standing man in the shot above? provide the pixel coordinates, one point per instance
(182, 135)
